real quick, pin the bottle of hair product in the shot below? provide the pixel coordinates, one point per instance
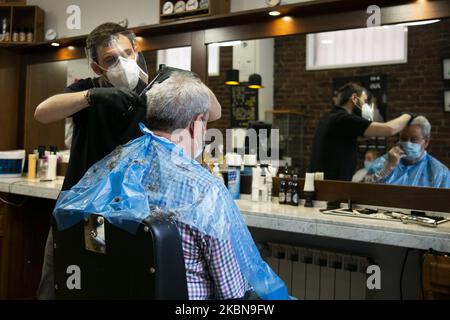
(217, 173)
(22, 35)
(32, 163)
(30, 35)
(289, 193)
(52, 167)
(295, 197)
(15, 35)
(282, 194)
(42, 164)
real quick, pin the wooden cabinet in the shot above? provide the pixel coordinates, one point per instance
(22, 244)
(43, 81)
(9, 102)
(203, 9)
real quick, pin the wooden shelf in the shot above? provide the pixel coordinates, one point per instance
(215, 7)
(23, 16)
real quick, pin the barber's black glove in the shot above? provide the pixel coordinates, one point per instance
(122, 100)
(413, 116)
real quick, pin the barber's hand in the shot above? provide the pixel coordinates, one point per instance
(122, 100)
(394, 156)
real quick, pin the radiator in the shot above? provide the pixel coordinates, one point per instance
(319, 275)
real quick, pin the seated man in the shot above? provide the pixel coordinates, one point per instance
(158, 173)
(369, 158)
(408, 163)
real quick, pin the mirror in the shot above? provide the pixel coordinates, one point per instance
(402, 68)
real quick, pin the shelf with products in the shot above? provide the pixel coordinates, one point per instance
(21, 25)
(173, 10)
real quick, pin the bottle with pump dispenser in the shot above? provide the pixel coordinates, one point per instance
(217, 173)
(42, 164)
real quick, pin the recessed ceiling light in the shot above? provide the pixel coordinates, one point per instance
(55, 44)
(71, 47)
(226, 44)
(327, 41)
(274, 13)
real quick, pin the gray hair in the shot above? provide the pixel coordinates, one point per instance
(424, 124)
(173, 104)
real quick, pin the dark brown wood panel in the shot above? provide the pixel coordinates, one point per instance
(328, 21)
(9, 102)
(429, 199)
(22, 252)
(199, 55)
(43, 81)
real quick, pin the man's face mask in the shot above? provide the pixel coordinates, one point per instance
(367, 111)
(367, 164)
(413, 151)
(125, 74)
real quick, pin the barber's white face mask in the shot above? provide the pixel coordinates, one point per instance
(367, 111)
(124, 75)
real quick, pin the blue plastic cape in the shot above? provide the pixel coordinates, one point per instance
(428, 172)
(151, 174)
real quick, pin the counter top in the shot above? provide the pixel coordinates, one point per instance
(32, 188)
(309, 221)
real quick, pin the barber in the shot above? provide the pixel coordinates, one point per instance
(335, 141)
(106, 112)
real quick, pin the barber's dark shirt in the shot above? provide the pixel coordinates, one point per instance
(335, 144)
(97, 131)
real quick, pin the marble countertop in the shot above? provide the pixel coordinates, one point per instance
(32, 188)
(301, 220)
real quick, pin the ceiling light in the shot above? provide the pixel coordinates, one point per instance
(274, 13)
(327, 41)
(226, 44)
(418, 23)
(55, 44)
(232, 78)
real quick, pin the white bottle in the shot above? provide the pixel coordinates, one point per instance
(269, 182)
(52, 167)
(256, 183)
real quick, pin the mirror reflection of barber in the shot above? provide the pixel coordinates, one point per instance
(335, 141)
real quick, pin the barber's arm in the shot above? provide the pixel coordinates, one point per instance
(60, 107)
(388, 129)
(65, 105)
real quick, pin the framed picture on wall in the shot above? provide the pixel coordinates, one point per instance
(446, 68)
(447, 100)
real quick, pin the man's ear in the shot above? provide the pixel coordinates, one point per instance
(427, 143)
(96, 69)
(198, 119)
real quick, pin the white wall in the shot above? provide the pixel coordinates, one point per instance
(95, 12)
(257, 56)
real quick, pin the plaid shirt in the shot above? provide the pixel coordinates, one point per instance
(211, 267)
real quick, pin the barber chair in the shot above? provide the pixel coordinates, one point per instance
(95, 260)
